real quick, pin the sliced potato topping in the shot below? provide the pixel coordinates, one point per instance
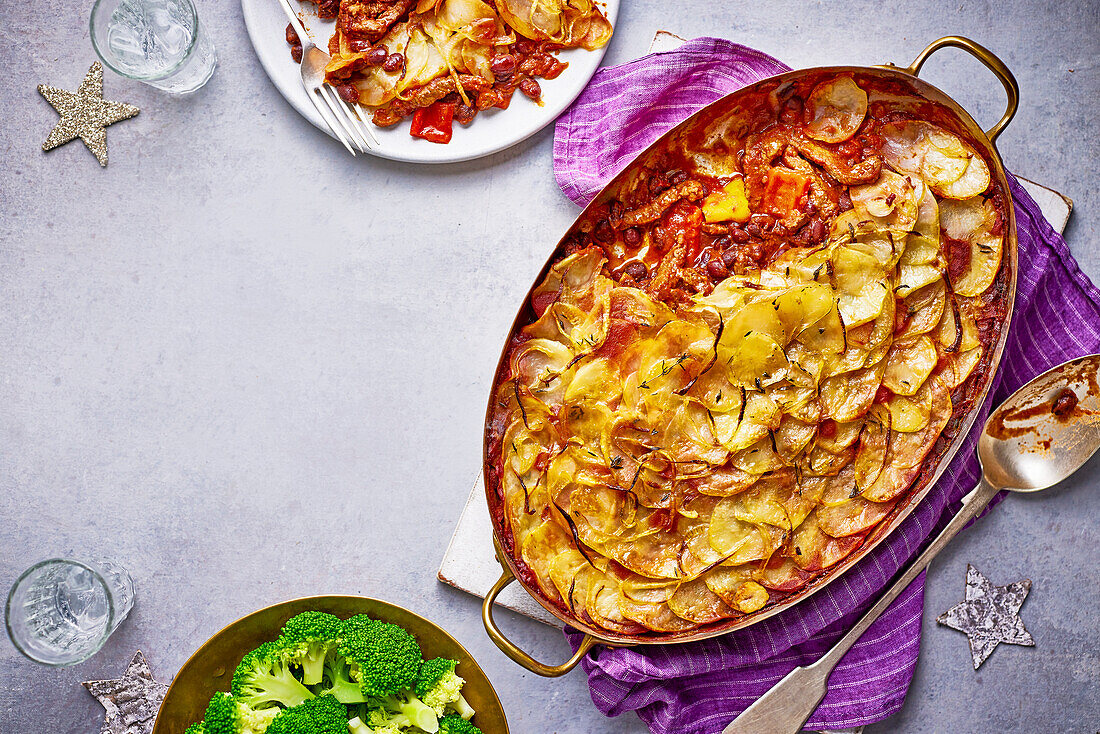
(666, 465)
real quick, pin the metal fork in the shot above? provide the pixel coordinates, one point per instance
(344, 120)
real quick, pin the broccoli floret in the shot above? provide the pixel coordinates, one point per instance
(308, 637)
(384, 658)
(196, 728)
(226, 715)
(320, 715)
(455, 724)
(337, 680)
(264, 677)
(440, 688)
(358, 726)
(407, 705)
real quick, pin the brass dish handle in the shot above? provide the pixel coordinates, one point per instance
(510, 649)
(991, 62)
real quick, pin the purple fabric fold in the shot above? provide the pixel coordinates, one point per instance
(698, 688)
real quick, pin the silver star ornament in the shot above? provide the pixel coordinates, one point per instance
(132, 701)
(85, 114)
(990, 615)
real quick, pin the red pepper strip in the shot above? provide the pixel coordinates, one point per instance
(434, 123)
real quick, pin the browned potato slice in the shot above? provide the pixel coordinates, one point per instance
(909, 413)
(821, 462)
(973, 181)
(782, 574)
(792, 437)
(563, 569)
(841, 435)
(893, 481)
(961, 367)
(735, 587)
(854, 515)
(654, 617)
(695, 602)
(647, 590)
(973, 220)
(909, 449)
(816, 551)
(860, 288)
(737, 431)
(923, 310)
(604, 604)
(724, 481)
(848, 397)
(760, 458)
(838, 107)
(874, 443)
(909, 364)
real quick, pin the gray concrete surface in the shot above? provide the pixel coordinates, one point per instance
(252, 368)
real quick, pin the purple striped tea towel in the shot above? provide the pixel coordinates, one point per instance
(700, 687)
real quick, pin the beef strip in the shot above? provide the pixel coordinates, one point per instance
(371, 19)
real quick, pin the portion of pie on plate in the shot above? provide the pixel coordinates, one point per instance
(735, 370)
(444, 60)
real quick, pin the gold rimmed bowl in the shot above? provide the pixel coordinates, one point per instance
(211, 668)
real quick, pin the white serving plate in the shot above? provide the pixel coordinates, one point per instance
(491, 131)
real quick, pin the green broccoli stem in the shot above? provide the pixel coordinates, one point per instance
(357, 726)
(312, 669)
(286, 690)
(463, 708)
(419, 713)
(347, 691)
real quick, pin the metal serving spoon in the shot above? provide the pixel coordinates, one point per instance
(1041, 435)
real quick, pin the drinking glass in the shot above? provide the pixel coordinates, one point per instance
(61, 611)
(159, 42)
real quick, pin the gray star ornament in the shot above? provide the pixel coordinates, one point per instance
(132, 701)
(85, 114)
(990, 615)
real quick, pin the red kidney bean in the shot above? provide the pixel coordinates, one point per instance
(394, 62)
(632, 236)
(762, 220)
(378, 55)
(524, 46)
(296, 53)
(465, 113)
(845, 201)
(754, 230)
(292, 36)
(636, 269)
(348, 93)
(604, 231)
(657, 185)
(818, 231)
(729, 258)
(531, 88)
(504, 65)
(716, 269)
(722, 243)
(359, 45)
(737, 234)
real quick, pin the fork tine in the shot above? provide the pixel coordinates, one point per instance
(356, 123)
(332, 124)
(362, 115)
(329, 95)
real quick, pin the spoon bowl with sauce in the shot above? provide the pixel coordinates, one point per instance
(1039, 436)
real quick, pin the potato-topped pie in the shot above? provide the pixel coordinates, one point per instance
(735, 370)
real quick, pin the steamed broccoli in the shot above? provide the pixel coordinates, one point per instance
(226, 715)
(455, 724)
(379, 726)
(384, 658)
(320, 715)
(196, 728)
(308, 638)
(406, 705)
(439, 687)
(264, 677)
(336, 680)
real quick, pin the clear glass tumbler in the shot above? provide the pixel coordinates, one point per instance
(159, 42)
(61, 611)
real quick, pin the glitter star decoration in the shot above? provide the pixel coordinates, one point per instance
(85, 114)
(990, 615)
(132, 701)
